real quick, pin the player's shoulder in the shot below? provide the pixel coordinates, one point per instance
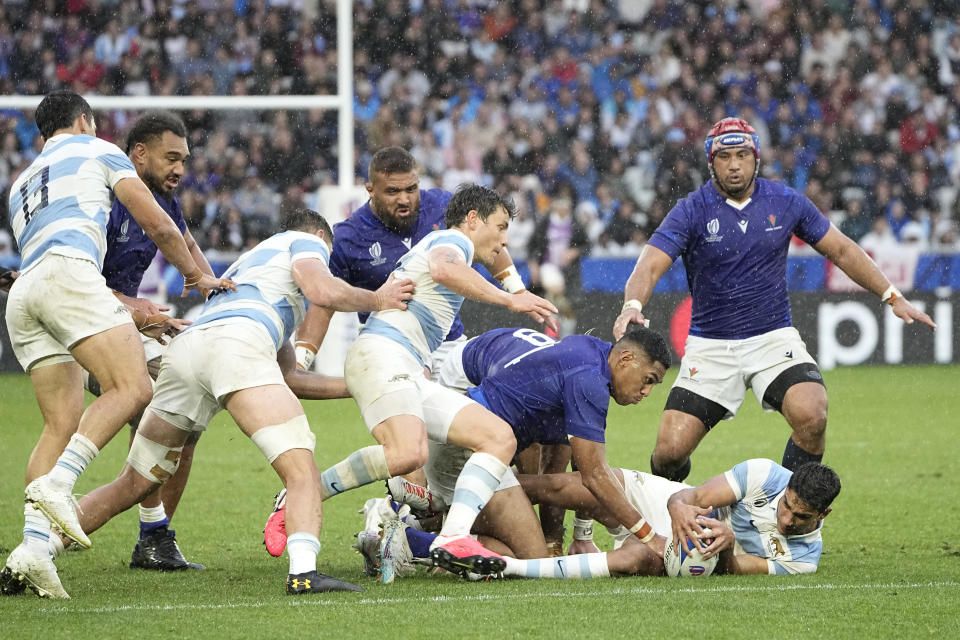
(583, 354)
(698, 201)
(775, 189)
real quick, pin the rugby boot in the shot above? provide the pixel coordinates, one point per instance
(275, 531)
(158, 551)
(314, 582)
(463, 555)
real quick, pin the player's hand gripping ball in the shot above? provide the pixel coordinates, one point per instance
(689, 562)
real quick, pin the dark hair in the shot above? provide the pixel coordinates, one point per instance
(473, 197)
(153, 124)
(303, 219)
(650, 342)
(58, 110)
(816, 484)
(391, 160)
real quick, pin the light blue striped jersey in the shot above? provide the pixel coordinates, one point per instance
(434, 307)
(759, 484)
(61, 202)
(266, 291)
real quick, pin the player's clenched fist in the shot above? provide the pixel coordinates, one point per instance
(394, 293)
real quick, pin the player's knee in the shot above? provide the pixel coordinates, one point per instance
(140, 392)
(498, 441)
(277, 439)
(152, 460)
(670, 468)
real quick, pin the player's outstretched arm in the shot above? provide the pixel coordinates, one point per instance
(597, 476)
(310, 334)
(687, 506)
(650, 267)
(322, 288)
(448, 267)
(306, 385)
(854, 261)
(136, 197)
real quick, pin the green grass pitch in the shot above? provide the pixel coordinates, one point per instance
(891, 566)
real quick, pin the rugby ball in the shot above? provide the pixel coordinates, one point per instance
(688, 563)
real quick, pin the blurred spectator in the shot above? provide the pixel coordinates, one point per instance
(559, 239)
(855, 223)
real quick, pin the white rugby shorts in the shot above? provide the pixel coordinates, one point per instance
(386, 380)
(723, 370)
(208, 362)
(450, 372)
(57, 303)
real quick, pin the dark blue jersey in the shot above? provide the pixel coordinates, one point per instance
(490, 352)
(736, 255)
(129, 249)
(365, 252)
(551, 391)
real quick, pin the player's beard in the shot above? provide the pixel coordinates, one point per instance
(735, 192)
(157, 185)
(397, 224)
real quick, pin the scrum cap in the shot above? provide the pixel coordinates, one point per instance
(731, 133)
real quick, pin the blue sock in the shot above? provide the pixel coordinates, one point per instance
(420, 542)
(147, 527)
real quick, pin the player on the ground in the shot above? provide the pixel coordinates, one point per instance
(61, 316)
(554, 392)
(762, 518)
(228, 359)
(733, 234)
(157, 146)
(400, 405)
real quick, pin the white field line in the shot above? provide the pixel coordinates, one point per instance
(308, 601)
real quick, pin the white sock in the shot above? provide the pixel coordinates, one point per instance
(55, 545)
(152, 514)
(360, 468)
(72, 462)
(587, 565)
(36, 528)
(479, 479)
(302, 548)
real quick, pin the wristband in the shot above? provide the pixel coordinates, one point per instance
(891, 295)
(510, 280)
(582, 529)
(632, 304)
(306, 352)
(642, 530)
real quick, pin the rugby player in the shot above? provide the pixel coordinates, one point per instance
(733, 234)
(61, 316)
(228, 359)
(157, 146)
(762, 518)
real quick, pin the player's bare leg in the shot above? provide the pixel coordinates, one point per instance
(678, 436)
(115, 357)
(554, 458)
(805, 409)
(509, 517)
(271, 415)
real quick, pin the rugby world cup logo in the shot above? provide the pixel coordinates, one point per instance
(712, 228)
(376, 252)
(123, 237)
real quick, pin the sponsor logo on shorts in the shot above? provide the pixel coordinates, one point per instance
(399, 377)
(789, 353)
(692, 371)
(121, 309)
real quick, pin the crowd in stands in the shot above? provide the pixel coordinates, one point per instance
(591, 112)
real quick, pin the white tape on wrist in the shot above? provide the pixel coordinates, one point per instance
(632, 304)
(642, 530)
(890, 295)
(510, 280)
(305, 355)
(583, 530)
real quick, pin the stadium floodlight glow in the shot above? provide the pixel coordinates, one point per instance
(342, 101)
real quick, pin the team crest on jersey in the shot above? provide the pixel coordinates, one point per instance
(773, 223)
(712, 228)
(777, 547)
(376, 252)
(124, 236)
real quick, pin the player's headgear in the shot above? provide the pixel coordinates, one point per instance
(732, 133)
